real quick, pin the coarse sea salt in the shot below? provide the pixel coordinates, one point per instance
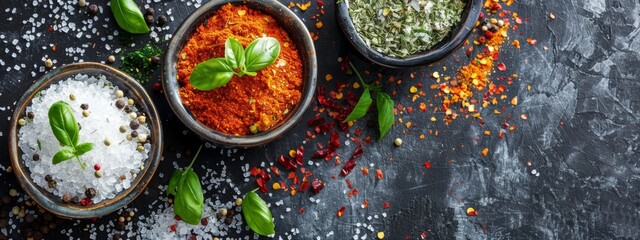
(120, 159)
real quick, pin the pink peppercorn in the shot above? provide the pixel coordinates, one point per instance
(96, 167)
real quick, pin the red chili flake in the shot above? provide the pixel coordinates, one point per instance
(204, 221)
(193, 237)
(365, 171)
(316, 185)
(488, 34)
(172, 228)
(316, 121)
(157, 86)
(423, 235)
(495, 6)
(496, 55)
(255, 171)
(262, 185)
(379, 174)
(427, 165)
(524, 116)
(348, 167)
(96, 167)
(341, 211)
(353, 192)
(177, 218)
(299, 155)
(349, 185)
(304, 186)
(471, 212)
(275, 171)
(365, 204)
(321, 153)
(502, 67)
(301, 209)
(287, 163)
(482, 39)
(334, 142)
(325, 128)
(469, 51)
(481, 15)
(386, 205)
(320, 3)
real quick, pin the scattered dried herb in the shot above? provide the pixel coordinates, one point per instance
(140, 64)
(400, 28)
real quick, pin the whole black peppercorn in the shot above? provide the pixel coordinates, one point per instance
(79, 126)
(228, 220)
(44, 229)
(120, 103)
(29, 218)
(127, 109)
(120, 226)
(116, 236)
(84, 106)
(53, 226)
(75, 199)
(48, 178)
(93, 9)
(149, 19)
(4, 214)
(37, 236)
(134, 134)
(90, 193)
(36, 157)
(494, 28)
(134, 125)
(150, 11)
(162, 20)
(30, 115)
(48, 216)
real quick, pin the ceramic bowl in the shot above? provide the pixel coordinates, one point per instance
(298, 33)
(449, 44)
(54, 203)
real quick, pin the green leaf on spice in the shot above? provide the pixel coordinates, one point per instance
(211, 74)
(234, 53)
(386, 116)
(63, 123)
(174, 181)
(217, 72)
(361, 107)
(257, 214)
(128, 16)
(261, 53)
(63, 155)
(83, 148)
(189, 200)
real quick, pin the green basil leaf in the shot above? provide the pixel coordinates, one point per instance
(63, 155)
(261, 53)
(83, 148)
(257, 214)
(211, 74)
(128, 16)
(189, 199)
(173, 182)
(63, 123)
(385, 113)
(361, 107)
(234, 53)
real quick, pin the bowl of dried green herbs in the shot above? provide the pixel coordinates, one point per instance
(407, 33)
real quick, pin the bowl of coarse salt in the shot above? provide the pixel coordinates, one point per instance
(85, 140)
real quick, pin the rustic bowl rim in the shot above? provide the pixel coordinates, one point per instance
(306, 50)
(53, 203)
(438, 52)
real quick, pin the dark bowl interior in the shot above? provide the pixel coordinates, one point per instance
(297, 32)
(132, 89)
(449, 44)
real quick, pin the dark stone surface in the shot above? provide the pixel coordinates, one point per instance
(581, 136)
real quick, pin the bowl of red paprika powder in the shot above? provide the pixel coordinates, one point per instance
(248, 110)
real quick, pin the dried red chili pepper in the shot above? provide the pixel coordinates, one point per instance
(275, 171)
(341, 211)
(325, 128)
(299, 155)
(348, 167)
(304, 186)
(316, 185)
(287, 163)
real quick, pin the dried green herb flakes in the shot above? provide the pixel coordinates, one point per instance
(401, 28)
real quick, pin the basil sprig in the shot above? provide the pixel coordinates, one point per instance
(217, 72)
(257, 214)
(384, 104)
(185, 186)
(128, 16)
(67, 132)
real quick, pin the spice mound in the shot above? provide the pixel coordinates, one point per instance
(106, 120)
(401, 28)
(249, 104)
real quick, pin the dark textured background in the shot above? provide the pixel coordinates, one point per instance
(581, 134)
